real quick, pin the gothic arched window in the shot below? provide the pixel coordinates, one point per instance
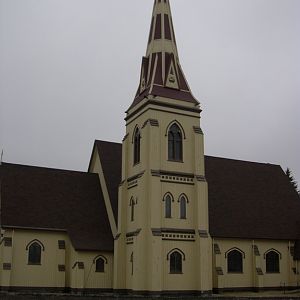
(100, 265)
(34, 254)
(131, 261)
(132, 204)
(235, 262)
(175, 263)
(272, 262)
(137, 146)
(183, 202)
(175, 143)
(168, 206)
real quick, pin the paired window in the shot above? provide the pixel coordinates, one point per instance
(137, 146)
(168, 206)
(34, 253)
(183, 201)
(272, 262)
(168, 199)
(176, 257)
(175, 143)
(175, 152)
(234, 261)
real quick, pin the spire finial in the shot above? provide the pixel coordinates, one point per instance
(161, 73)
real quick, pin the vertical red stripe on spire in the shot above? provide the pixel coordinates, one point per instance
(151, 30)
(167, 28)
(157, 34)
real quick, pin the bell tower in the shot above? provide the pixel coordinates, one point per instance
(163, 243)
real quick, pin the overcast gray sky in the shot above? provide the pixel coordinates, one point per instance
(69, 69)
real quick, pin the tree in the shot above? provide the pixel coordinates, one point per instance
(292, 180)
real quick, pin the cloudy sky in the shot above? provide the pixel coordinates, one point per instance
(69, 69)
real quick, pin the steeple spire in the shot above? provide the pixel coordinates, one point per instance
(161, 73)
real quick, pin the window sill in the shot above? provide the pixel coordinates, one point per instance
(33, 264)
(176, 273)
(175, 161)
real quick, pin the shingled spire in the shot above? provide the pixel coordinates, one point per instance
(161, 73)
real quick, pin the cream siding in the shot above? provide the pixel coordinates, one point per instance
(47, 274)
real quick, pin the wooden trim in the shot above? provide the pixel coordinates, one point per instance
(203, 233)
(134, 233)
(7, 242)
(61, 268)
(152, 122)
(139, 175)
(61, 244)
(6, 266)
(33, 228)
(162, 104)
(198, 130)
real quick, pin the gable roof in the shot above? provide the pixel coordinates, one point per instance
(35, 198)
(246, 199)
(110, 155)
(251, 200)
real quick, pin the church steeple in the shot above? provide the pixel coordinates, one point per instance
(161, 73)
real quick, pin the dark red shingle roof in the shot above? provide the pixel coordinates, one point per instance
(34, 197)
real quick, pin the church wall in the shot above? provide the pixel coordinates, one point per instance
(251, 278)
(85, 276)
(188, 279)
(59, 268)
(22, 274)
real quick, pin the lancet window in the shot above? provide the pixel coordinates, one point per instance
(137, 146)
(34, 254)
(272, 262)
(175, 143)
(235, 261)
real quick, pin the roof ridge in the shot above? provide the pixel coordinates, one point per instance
(244, 161)
(43, 168)
(109, 142)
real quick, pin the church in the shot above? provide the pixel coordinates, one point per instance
(152, 215)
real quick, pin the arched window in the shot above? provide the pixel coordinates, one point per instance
(175, 143)
(235, 262)
(131, 261)
(183, 202)
(272, 262)
(137, 146)
(168, 206)
(175, 263)
(100, 265)
(132, 204)
(34, 254)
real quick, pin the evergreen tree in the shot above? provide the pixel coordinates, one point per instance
(292, 180)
